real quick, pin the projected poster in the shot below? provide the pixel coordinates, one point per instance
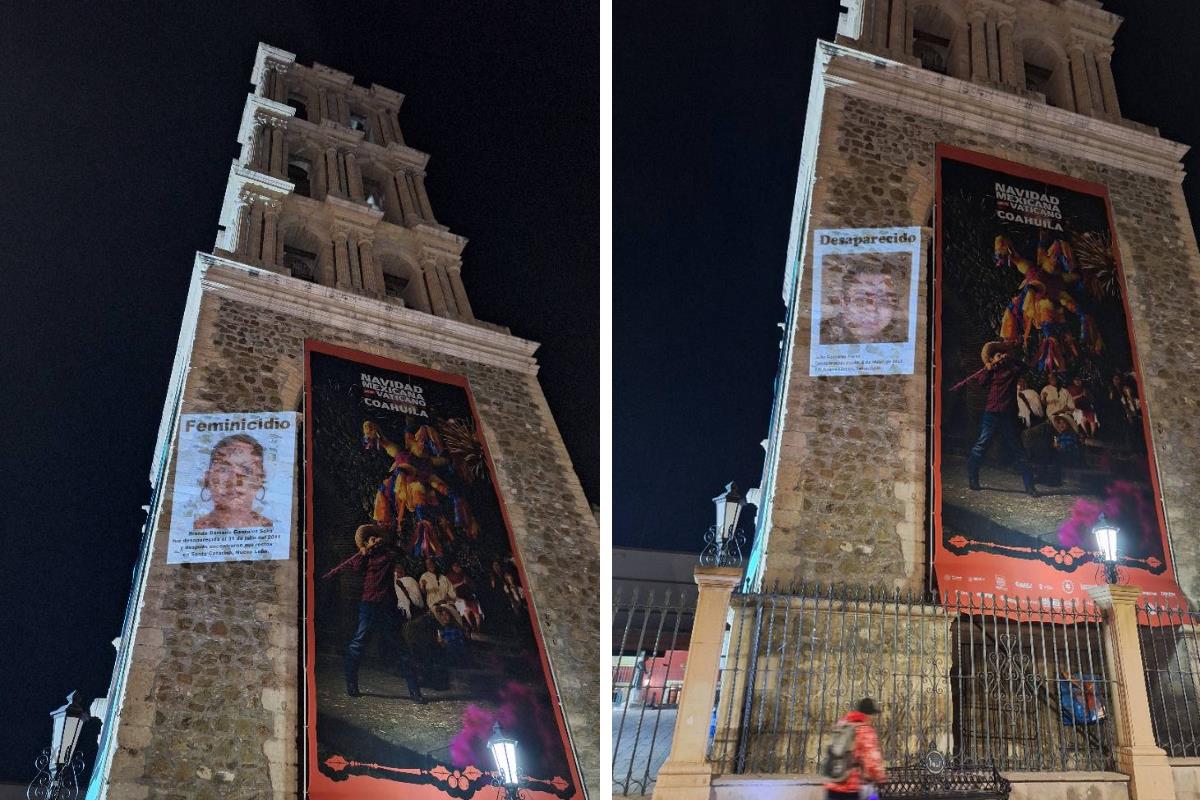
(864, 319)
(234, 479)
(419, 629)
(1039, 422)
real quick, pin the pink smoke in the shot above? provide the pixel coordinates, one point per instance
(1125, 504)
(520, 715)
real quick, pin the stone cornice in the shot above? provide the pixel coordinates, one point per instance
(395, 155)
(254, 104)
(267, 53)
(363, 316)
(352, 214)
(976, 107)
(242, 179)
(385, 97)
(439, 239)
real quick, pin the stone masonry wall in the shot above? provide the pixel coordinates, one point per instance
(850, 490)
(213, 701)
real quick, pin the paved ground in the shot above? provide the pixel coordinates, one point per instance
(384, 714)
(1004, 502)
(641, 742)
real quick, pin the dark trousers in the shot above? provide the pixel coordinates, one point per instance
(830, 794)
(1004, 424)
(378, 616)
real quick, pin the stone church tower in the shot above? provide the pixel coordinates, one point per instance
(326, 234)
(848, 478)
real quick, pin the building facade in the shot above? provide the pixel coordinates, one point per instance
(862, 470)
(327, 242)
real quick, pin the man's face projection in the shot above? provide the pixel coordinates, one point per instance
(868, 305)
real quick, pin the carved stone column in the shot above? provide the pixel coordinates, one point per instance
(393, 210)
(433, 286)
(372, 273)
(879, 26)
(354, 178)
(270, 233)
(254, 255)
(326, 270)
(320, 112)
(393, 125)
(341, 260)
(260, 144)
(443, 276)
(1093, 74)
(352, 258)
(277, 166)
(423, 198)
(993, 52)
(454, 272)
(333, 175)
(1107, 87)
(343, 110)
(897, 36)
(408, 197)
(1008, 66)
(383, 135)
(277, 84)
(978, 46)
(241, 232)
(316, 176)
(1079, 79)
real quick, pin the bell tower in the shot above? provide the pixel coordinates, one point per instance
(1009, 109)
(326, 190)
(330, 323)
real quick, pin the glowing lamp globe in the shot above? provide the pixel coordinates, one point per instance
(504, 753)
(1106, 538)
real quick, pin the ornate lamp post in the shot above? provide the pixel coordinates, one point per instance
(1106, 540)
(59, 765)
(723, 541)
(504, 753)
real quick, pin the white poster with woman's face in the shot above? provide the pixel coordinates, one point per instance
(234, 480)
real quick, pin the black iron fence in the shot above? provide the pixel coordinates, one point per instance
(1171, 660)
(651, 632)
(963, 679)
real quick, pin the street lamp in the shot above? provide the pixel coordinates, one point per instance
(59, 765)
(504, 753)
(1106, 539)
(723, 541)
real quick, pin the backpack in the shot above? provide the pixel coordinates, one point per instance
(839, 753)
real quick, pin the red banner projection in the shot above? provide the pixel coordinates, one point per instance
(1032, 447)
(405, 675)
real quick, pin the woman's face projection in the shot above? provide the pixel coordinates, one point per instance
(235, 476)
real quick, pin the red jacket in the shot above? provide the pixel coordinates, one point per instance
(867, 757)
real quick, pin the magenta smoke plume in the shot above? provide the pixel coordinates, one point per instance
(1124, 503)
(521, 717)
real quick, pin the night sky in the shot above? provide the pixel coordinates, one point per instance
(709, 105)
(119, 125)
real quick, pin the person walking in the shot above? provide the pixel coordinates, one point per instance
(853, 754)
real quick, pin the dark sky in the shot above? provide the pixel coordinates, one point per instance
(119, 123)
(709, 103)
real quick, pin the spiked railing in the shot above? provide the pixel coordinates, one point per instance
(1020, 683)
(650, 638)
(1170, 647)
